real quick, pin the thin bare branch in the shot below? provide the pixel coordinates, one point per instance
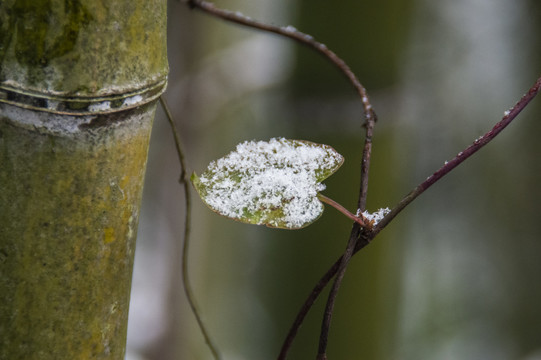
(316, 291)
(331, 300)
(183, 179)
(187, 229)
(341, 266)
(478, 143)
(365, 163)
(292, 33)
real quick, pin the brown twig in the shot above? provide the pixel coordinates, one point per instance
(365, 163)
(187, 229)
(341, 267)
(331, 300)
(479, 143)
(369, 123)
(292, 33)
(299, 319)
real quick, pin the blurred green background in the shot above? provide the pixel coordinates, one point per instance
(455, 276)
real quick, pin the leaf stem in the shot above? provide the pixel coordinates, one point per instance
(361, 220)
(187, 229)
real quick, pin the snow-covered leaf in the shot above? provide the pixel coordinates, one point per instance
(273, 183)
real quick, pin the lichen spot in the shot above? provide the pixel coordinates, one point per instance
(108, 235)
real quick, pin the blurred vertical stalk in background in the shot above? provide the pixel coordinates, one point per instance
(78, 87)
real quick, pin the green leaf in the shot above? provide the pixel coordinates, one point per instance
(273, 183)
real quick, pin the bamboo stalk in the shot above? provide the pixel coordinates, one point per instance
(77, 98)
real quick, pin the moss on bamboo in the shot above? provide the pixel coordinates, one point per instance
(91, 48)
(78, 80)
(69, 209)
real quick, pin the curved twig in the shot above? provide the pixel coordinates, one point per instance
(187, 229)
(292, 33)
(480, 142)
(369, 123)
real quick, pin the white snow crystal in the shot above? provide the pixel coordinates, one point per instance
(376, 216)
(289, 29)
(133, 100)
(98, 107)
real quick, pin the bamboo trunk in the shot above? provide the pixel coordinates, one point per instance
(78, 84)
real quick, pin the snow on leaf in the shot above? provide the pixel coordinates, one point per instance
(273, 183)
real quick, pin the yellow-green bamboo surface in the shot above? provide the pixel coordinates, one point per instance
(78, 84)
